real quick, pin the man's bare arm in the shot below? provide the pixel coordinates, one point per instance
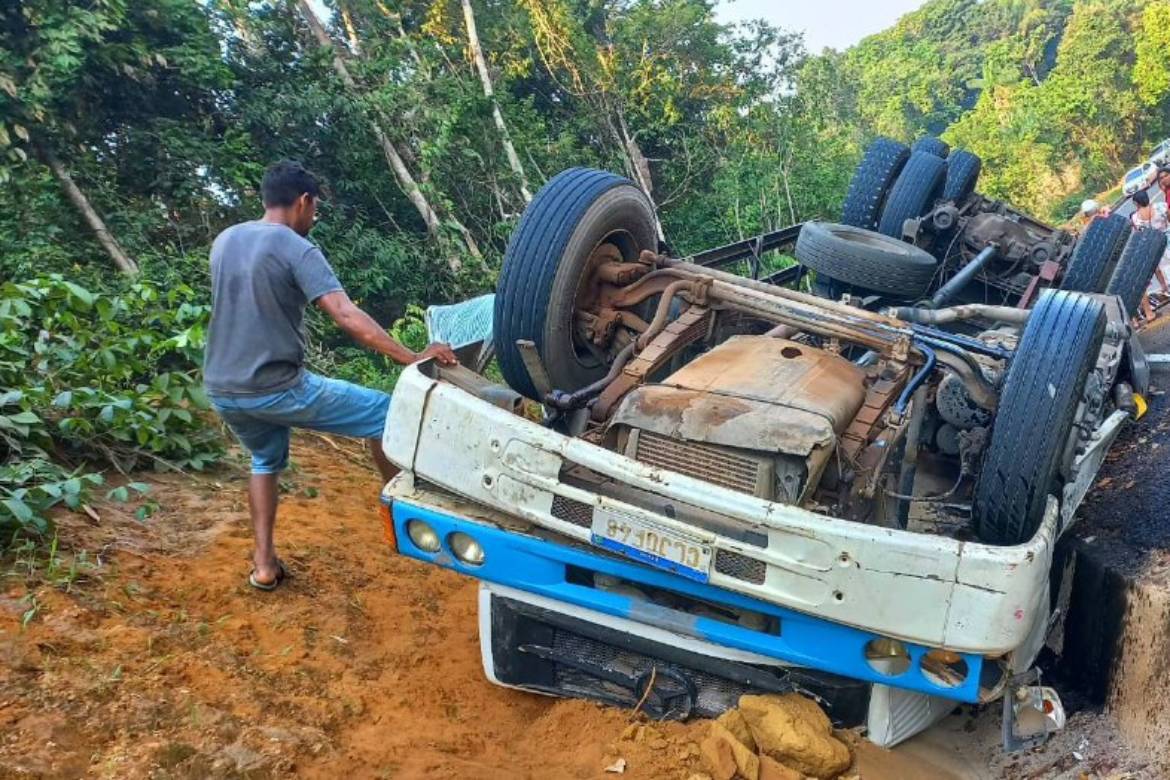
(365, 330)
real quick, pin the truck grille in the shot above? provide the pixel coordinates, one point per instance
(701, 461)
(740, 566)
(571, 511)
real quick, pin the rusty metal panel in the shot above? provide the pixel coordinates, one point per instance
(752, 393)
(780, 372)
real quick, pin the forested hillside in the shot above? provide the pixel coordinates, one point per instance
(132, 132)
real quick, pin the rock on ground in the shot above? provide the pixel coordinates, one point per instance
(795, 732)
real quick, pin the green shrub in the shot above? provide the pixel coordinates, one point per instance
(92, 381)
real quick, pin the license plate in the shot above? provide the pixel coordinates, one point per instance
(651, 544)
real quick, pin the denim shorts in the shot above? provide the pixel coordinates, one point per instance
(263, 422)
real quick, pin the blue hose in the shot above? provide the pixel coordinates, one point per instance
(958, 339)
(916, 380)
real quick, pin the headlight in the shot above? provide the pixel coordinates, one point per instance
(887, 656)
(466, 549)
(423, 536)
(945, 668)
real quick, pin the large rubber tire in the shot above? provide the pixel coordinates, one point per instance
(879, 167)
(963, 170)
(1037, 407)
(545, 262)
(1096, 252)
(1138, 261)
(931, 145)
(865, 259)
(918, 186)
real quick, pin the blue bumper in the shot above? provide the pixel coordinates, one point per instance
(542, 568)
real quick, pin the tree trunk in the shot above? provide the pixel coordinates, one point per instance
(405, 179)
(350, 31)
(121, 260)
(488, 92)
(640, 166)
(395, 17)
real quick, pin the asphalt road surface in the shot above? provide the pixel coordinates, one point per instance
(1126, 207)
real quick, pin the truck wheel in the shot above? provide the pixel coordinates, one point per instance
(918, 186)
(865, 259)
(1138, 261)
(875, 173)
(963, 170)
(1098, 248)
(1037, 407)
(549, 256)
(931, 145)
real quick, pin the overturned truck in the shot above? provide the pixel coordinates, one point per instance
(735, 487)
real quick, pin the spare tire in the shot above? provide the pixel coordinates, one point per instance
(918, 186)
(1037, 408)
(865, 259)
(931, 145)
(1098, 248)
(879, 167)
(1138, 261)
(548, 257)
(963, 170)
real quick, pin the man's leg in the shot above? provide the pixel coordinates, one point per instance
(263, 492)
(387, 469)
(268, 443)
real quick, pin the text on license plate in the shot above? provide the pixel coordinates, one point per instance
(651, 544)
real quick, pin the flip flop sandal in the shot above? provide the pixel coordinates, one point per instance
(281, 575)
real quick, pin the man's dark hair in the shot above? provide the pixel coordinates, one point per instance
(1142, 198)
(285, 181)
(1163, 169)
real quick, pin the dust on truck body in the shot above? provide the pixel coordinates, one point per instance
(737, 487)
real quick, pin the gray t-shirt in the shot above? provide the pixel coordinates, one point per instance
(262, 277)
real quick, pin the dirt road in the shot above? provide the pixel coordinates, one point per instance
(165, 664)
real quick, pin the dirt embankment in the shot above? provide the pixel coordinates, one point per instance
(161, 662)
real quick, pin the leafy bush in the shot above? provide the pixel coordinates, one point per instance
(361, 366)
(94, 381)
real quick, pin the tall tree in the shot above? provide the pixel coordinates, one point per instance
(394, 159)
(489, 93)
(46, 50)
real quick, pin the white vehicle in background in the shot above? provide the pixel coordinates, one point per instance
(1139, 178)
(1161, 153)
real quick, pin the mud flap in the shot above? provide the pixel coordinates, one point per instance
(1031, 712)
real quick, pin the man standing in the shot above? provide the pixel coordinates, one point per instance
(263, 275)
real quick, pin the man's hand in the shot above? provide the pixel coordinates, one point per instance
(440, 352)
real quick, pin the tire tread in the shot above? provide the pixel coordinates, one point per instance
(530, 264)
(1041, 392)
(877, 171)
(1139, 259)
(915, 191)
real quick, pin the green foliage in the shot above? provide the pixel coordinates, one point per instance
(95, 380)
(164, 113)
(1048, 142)
(1151, 70)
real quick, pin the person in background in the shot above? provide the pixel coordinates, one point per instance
(263, 275)
(1090, 210)
(1162, 178)
(1148, 215)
